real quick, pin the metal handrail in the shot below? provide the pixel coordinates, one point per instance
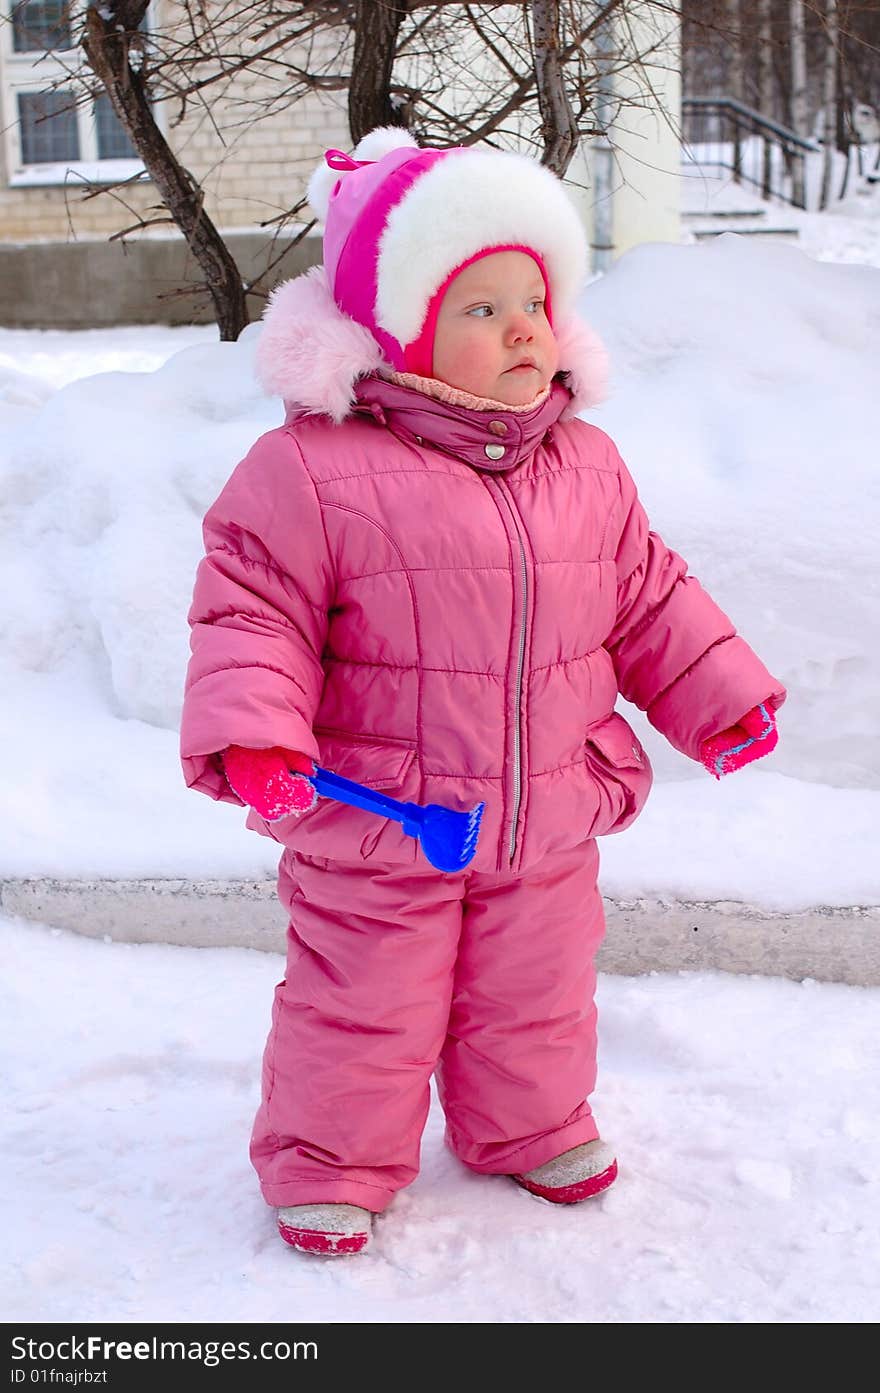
(731, 122)
(757, 117)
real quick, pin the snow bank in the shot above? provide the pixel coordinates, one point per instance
(744, 401)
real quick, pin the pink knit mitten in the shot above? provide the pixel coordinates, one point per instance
(754, 736)
(264, 779)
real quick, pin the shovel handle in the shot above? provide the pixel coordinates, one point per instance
(358, 796)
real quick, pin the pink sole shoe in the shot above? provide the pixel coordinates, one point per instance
(574, 1176)
(329, 1230)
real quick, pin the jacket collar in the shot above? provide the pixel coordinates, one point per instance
(494, 440)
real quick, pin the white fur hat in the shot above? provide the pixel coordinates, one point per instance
(400, 221)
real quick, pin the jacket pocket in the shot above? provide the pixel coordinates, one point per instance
(622, 773)
(365, 759)
(339, 832)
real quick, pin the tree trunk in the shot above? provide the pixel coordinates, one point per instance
(736, 65)
(735, 77)
(765, 87)
(559, 130)
(107, 43)
(799, 115)
(829, 99)
(845, 136)
(370, 103)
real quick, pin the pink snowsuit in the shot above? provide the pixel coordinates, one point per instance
(448, 627)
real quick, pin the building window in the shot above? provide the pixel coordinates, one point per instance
(113, 141)
(55, 132)
(40, 25)
(49, 127)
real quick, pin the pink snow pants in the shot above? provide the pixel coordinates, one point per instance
(395, 973)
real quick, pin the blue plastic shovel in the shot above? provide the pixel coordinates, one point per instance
(448, 839)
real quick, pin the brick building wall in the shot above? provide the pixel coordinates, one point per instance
(251, 170)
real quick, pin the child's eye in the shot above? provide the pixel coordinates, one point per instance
(481, 310)
(535, 305)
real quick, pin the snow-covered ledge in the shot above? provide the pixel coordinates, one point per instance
(826, 944)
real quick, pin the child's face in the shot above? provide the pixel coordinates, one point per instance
(493, 338)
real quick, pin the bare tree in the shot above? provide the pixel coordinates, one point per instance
(371, 102)
(845, 133)
(559, 127)
(736, 85)
(786, 64)
(113, 45)
(829, 99)
(799, 114)
(765, 84)
(521, 75)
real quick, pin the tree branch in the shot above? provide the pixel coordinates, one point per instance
(107, 44)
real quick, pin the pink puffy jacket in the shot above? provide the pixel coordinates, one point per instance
(443, 603)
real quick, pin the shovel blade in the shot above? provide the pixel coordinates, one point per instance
(449, 839)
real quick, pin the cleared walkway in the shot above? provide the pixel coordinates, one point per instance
(825, 944)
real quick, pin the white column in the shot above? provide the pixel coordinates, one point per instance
(645, 137)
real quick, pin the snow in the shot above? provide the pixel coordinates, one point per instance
(77, 172)
(847, 232)
(744, 1109)
(54, 357)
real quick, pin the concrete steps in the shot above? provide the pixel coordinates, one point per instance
(747, 222)
(713, 203)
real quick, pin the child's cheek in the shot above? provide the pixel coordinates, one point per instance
(463, 361)
(484, 356)
(546, 346)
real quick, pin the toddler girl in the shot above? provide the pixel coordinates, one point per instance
(435, 579)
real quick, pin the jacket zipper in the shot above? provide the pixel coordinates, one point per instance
(520, 663)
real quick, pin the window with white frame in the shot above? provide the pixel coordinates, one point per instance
(53, 133)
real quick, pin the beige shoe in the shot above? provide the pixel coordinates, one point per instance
(574, 1176)
(328, 1229)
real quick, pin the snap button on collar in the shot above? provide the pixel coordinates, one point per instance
(494, 451)
(497, 427)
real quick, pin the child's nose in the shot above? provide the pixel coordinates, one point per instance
(520, 328)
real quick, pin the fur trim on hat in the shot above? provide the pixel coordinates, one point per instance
(382, 140)
(311, 354)
(373, 146)
(472, 200)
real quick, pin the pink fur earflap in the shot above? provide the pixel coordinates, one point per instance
(309, 352)
(583, 358)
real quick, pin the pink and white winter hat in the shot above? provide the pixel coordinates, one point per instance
(400, 222)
